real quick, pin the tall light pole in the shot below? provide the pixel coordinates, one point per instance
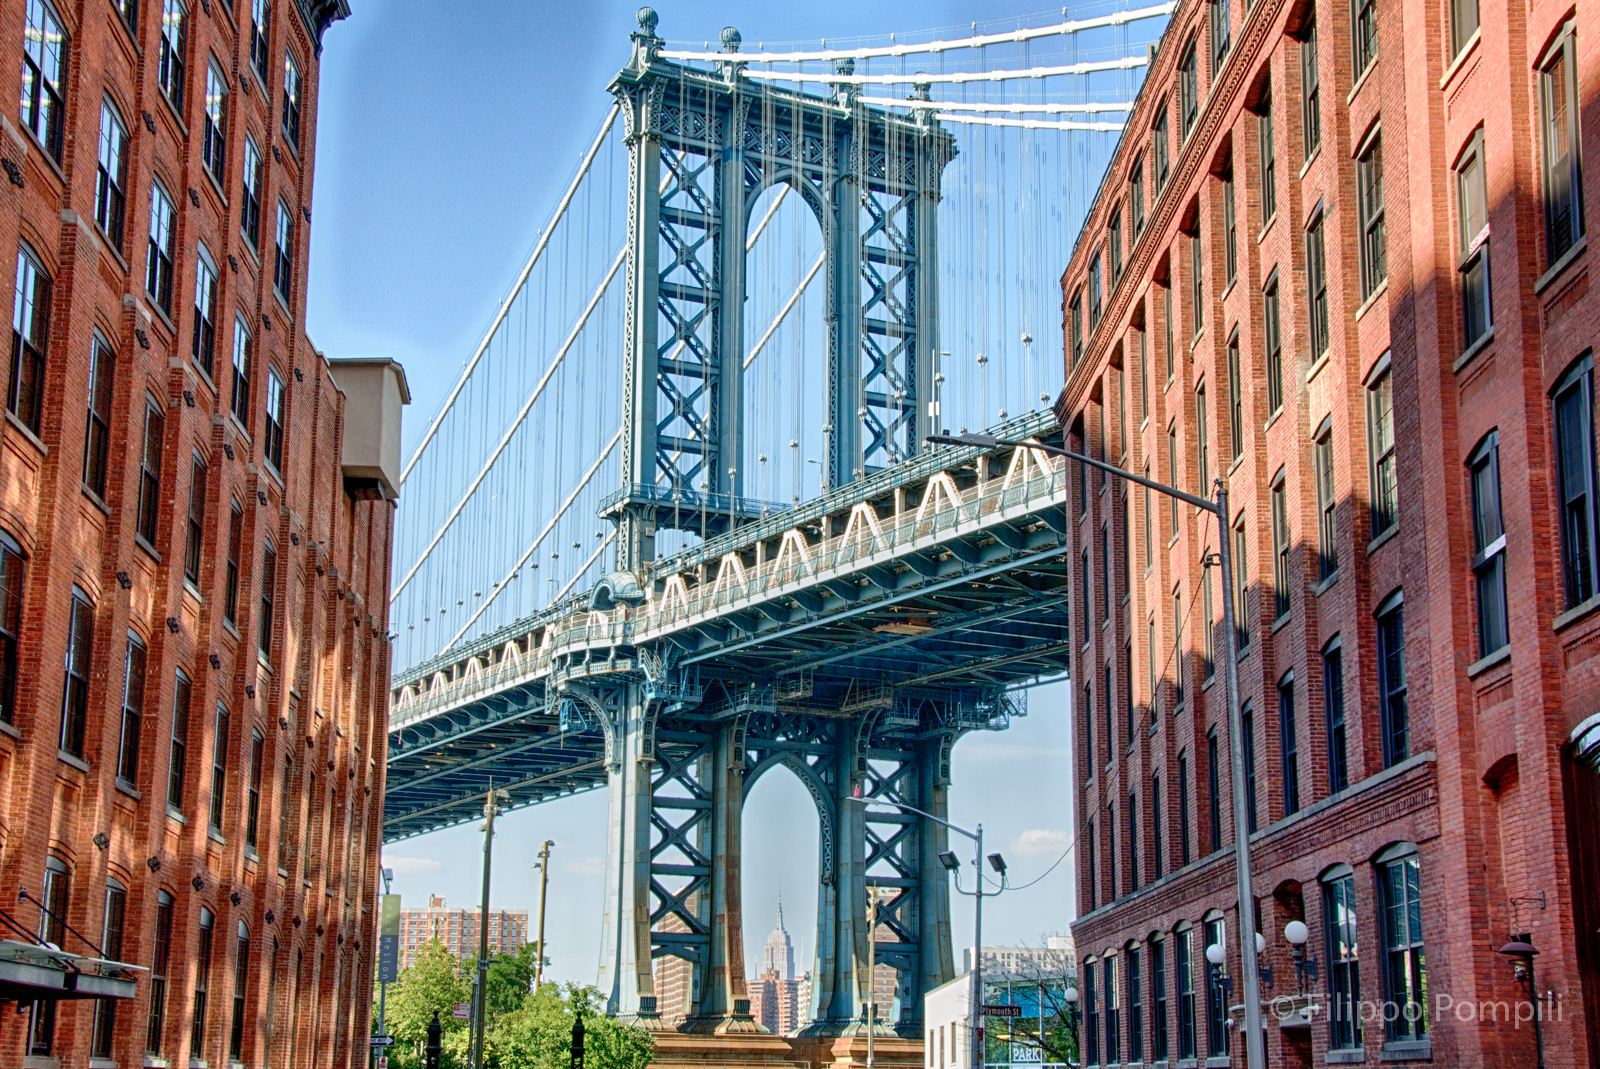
(544, 884)
(949, 860)
(480, 991)
(1255, 1040)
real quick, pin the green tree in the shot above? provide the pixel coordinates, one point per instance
(539, 1035)
(432, 984)
(510, 981)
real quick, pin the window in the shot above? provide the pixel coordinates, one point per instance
(1087, 598)
(197, 519)
(1135, 1006)
(1075, 319)
(1563, 172)
(1158, 1000)
(1327, 544)
(1369, 212)
(242, 353)
(1477, 303)
(1269, 162)
(285, 785)
(219, 766)
(283, 262)
(1197, 290)
(1105, 573)
(111, 176)
(1113, 1012)
(30, 338)
(269, 579)
(1405, 970)
(1207, 627)
(1241, 589)
(174, 32)
(1091, 1014)
(1184, 962)
(1463, 24)
(1573, 405)
(1236, 388)
(1158, 863)
(1380, 424)
(44, 75)
(1177, 647)
(1280, 549)
(1288, 749)
(253, 799)
(230, 589)
(1202, 443)
(1094, 890)
(1160, 149)
(163, 236)
(250, 205)
(1114, 245)
(272, 444)
(214, 133)
(1333, 703)
(202, 982)
(52, 929)
(1364, 38)
(291, 100)
(1317, 286)
(132, 712)
(1344, 966)
(1183, 807)
(1392, 682)
(80, 647)
(1217, 1021)
(241, 977)
(1144, 377)
(260, 26)
(150, 471)
(1221, 34)
(97, 435)
(1213, 790)
(1132, 845)
(1150, 657)
(1188, 91)
(105, 1011)
(1489, 546)
(1310, 102)
(1172, 474)
(1230, 248)
(11, 567)
(156, 1022)
(1095, 292)
(1274, 332)
(205, 311)
(1172, 355)
(129, 10)
(1136, 197)
(178, 766)
(1252, 811)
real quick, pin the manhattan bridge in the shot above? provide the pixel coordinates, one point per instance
(677, 523)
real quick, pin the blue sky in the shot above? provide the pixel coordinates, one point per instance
(446, 132)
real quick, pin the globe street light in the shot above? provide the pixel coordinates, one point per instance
(1297, 933)
(1255, 1039)
(1072, 1018)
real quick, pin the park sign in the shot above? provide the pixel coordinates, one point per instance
(389, 940)
(462, 1012)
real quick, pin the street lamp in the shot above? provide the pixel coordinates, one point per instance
(1521, 951)
(1297, 933)
(1072, 1019)
(948, 859)
(1255, 1040)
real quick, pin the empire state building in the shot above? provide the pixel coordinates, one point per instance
(778, 999)
(777, 957)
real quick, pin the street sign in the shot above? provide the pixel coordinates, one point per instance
(1002, 1011)
(389, 940)
(462, 1012)
(382, 1041)
(383, 1061)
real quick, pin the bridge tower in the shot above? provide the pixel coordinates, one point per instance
(703, 145)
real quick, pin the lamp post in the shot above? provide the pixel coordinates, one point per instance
(1521, 952)
(953, 864)
(543, 865)
(1296, 933)
(480, 991)
(1255, 1040)
(434, 1047)
(1072, 1020)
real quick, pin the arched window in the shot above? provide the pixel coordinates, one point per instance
(241, 976)
(1344, 968)
(11, 568)
(1405, 979)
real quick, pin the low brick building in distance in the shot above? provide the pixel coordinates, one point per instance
(457, 929)
(1340, 262)
(196, 510)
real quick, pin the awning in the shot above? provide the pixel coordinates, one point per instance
(29, 972)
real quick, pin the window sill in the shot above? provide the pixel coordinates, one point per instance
(1322, 587)
(8, 728)
(1468, 50)
(1316, 368)
(1473, 350)
(1220, 1062)
(1372, 65)
(283, 303)
(216, 183)
(1576, 613)
(110, 244)
(26, 433)
(1482, 664)
(238, 425)
(216, 836)
(124, 787)
(48, 157)
(1394, 529)
(173, 111)
(97, 501)
(69, 759)
(139, 540)
(1562, 264)
(1233, 465)
(1232, 282)
(1408, 1052)
(1306, 166)
(1346, 1057)
(1372, 298)
(1281, 622)
(228, 626)
(174, 813)
(192, 590)
(1276, 415)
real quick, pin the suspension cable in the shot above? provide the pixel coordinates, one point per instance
(958, 78)
(777, 320)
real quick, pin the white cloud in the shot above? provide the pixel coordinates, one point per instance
(411, 866)
(1041, 842)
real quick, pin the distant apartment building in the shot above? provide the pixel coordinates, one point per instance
(457, 929)
(1054, 955)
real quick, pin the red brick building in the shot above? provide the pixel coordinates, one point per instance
(1339, 261)
(195, 521)
(457, 929)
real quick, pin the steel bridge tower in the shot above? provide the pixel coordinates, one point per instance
(680, 755)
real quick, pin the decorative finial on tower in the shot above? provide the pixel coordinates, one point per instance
(921, 90)
(731, 39)
(647, 20)
(845, 93)
(847, 65)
